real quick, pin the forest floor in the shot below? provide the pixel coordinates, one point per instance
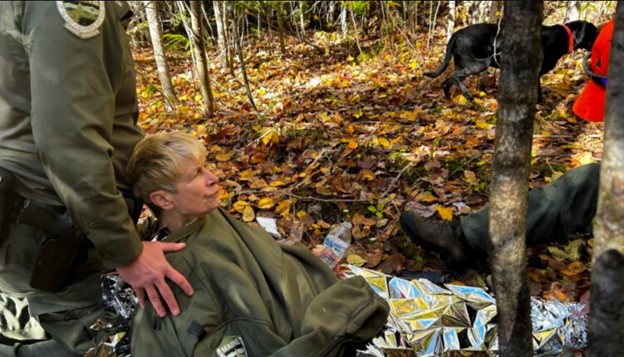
(339, 137)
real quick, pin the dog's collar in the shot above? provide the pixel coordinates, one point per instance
(570, 39)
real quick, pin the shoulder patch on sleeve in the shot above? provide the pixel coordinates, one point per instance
(82, 18)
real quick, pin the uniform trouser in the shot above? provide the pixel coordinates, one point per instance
(65, 316)
(555, 211)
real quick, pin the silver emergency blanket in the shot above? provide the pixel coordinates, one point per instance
(429, 319)
(113, 329)
(426, 319)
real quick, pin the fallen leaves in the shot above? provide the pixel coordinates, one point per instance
(338, 139)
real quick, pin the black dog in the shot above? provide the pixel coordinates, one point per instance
(477, 47)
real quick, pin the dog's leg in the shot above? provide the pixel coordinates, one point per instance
(463, 88)
(446, 87)
(539, 91)
(468, 68)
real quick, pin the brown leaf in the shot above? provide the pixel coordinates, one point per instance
(393, 263)
(359, 219)
(374, 258)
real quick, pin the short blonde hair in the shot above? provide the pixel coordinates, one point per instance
(158, 161)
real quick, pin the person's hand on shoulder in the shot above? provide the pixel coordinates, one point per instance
(147, 275)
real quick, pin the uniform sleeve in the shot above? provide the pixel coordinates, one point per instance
(72, 117)
(347, 313)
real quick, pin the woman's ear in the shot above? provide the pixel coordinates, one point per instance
(162, 199)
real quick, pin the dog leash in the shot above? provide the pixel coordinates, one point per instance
(570, 38)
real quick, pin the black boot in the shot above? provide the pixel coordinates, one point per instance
(443, 237)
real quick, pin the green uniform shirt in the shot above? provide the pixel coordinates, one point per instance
(68, 112)
(255, 297)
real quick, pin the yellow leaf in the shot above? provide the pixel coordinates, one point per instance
(461, 99)
(267, 139)
(324, 116)
(383, 142)
(481, 124)
(352, 144)
(249, 214)
(470, 177)
(245, 175)
(558, 253)
(368, 174)
(446, 213)
(266, 203)
(425, 197)
(301, 214)
(356, 260)
(223, 156)
(555, 175)
(574, 269)
(240, 206)
(275, 138)
(277, 183)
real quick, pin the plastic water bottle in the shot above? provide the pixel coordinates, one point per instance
(336, 244)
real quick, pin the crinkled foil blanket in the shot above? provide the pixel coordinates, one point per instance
(429, 320)
(113, 330)
(426, 319)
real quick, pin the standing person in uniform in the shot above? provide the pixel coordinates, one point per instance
(68, 123)
(554, 212)
(253, 296)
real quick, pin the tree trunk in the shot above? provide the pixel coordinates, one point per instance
(343, 20)
(573, 11)
(239, 50)
(201, 63)
(479, 11)
(432, 21)
(302, 17)
(219, 11)
(608, 285)
(451, 20)
(280, 26)
(521, 34)
(605, 337)
(171, 100)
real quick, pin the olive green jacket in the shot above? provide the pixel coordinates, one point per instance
(68, 114)
(256, 297)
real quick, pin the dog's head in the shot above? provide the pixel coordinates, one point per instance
(584, 33)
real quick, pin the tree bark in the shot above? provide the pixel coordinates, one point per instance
(432, 21)
(451, 20)
(609, 221)
(280, 26)
(606, 337)
(479, 11)
(171, 100)
(343, 21)
(521, 34)
(201, 63)
(220, 19)
(239, 51)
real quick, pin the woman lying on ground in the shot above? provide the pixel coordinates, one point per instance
(253, 296)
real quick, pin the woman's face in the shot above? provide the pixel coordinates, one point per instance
(198, 191)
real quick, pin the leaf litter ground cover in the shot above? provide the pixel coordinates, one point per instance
(361, 138)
